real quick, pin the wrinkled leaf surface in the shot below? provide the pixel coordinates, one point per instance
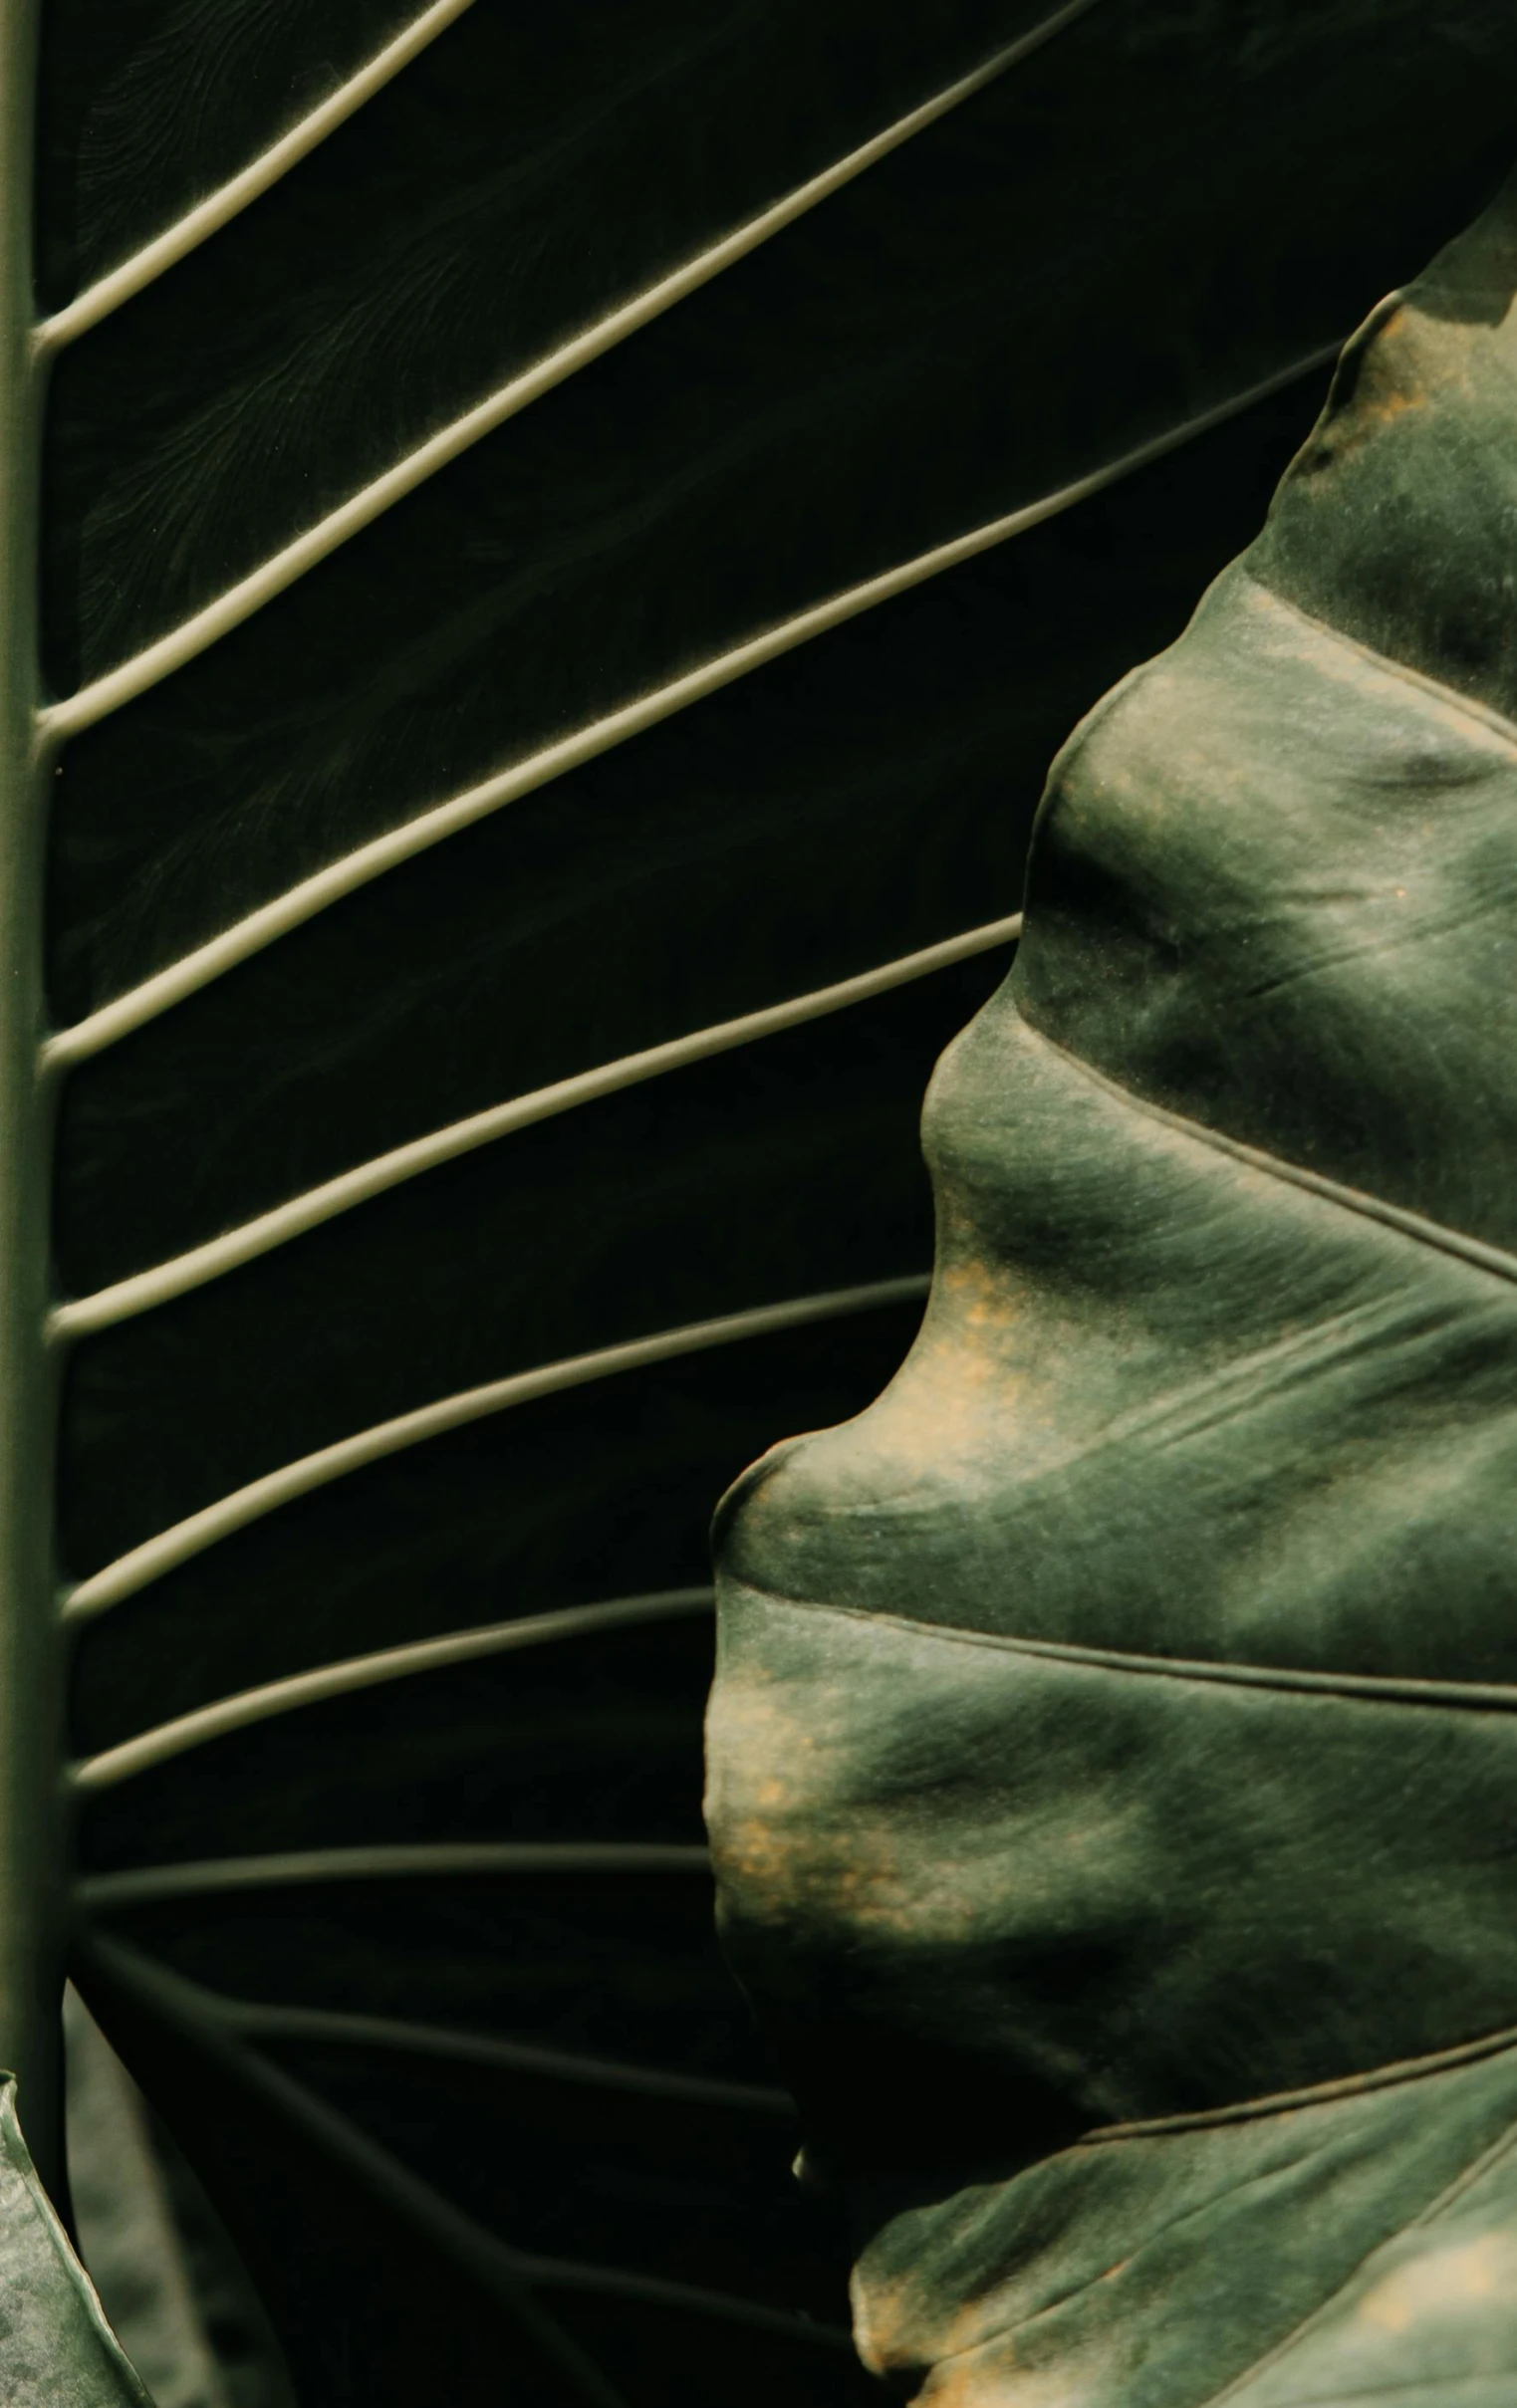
(1114, 1752)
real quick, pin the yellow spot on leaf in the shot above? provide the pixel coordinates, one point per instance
(1443, 2282)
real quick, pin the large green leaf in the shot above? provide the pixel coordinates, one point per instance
(544, 547)
(1113, 1759)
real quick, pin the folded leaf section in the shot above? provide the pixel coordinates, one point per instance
(1068, 1895)
(1167, 1402)
(1114, 1724)
(1236, 2228)
(1277, 894)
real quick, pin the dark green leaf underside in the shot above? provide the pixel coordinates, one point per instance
(1067, 270)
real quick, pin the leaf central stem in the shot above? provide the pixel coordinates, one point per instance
(31, 1686)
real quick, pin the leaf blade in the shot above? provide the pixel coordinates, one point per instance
(1008, 1817)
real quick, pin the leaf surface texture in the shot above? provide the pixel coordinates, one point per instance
(1112, 1745)
(717, 671)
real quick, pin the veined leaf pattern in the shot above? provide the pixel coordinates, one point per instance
(564, 541)
(1113, 1750)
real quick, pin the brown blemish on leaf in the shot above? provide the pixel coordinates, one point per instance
(888, 2320)
(990, 2378)
(793, 1843)
(900, 2326)
(1444, 2283)
(1388, 409)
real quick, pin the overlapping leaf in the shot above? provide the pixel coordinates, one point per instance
(1114, 1756)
